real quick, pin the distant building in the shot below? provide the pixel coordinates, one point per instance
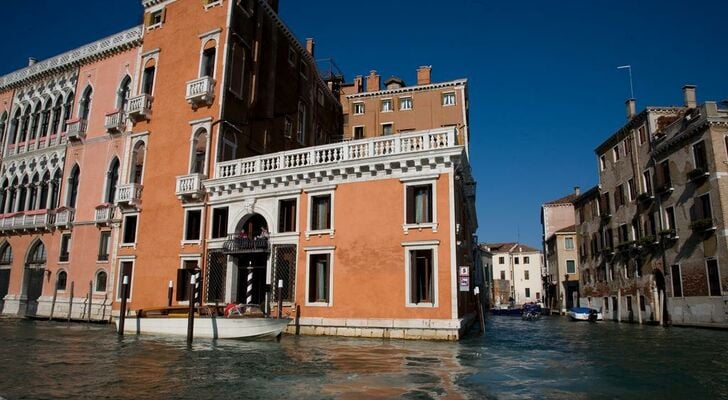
(516, 272)
(486, 262)
(560, 273)
(653, 233)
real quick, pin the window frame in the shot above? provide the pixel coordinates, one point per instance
(567, 266)
(123, 230)
(353, 132)
(314, 251)
(679, 277)
(447, 95)
(296, 219)
(420, 181)
(718, 277)
(383, 124)
(96, 281)
(212, 232)
(402, 103)
(328, 191)
(188, 210)
(386, 100)
(65, 283)
(408, 249)
(119, 277)
(108, 247)
(65, 242)
(566, 242)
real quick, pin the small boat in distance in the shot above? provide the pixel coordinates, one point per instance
(585, 314)
(209, 323)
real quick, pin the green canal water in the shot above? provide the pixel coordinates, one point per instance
(547, 359)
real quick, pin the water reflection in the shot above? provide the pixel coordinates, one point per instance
(550, 358)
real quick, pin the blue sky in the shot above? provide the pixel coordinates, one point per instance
(544, 88)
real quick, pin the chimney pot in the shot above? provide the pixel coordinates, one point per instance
(32, 61)
(310, 44)
(577, 190)
(631, 107)
(689, 96)
(424, 75)
(373, 81)
(358, 84)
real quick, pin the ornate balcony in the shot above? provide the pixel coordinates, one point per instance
(129, 195)
(76, 129)
(104, 213)
(27, 221)
(236, 244)
(115, 121)
(64, 217)
(200, 91)
(139, 107)
(189, 187)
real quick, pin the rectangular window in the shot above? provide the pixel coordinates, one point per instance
(503, 275)
(670, 217)
(699, 156)
(704, 209)
(616, 152)
(501, 260)
(130, 227)
(421, 277)
(569, 243)
(387, 129)
(525, 275)
(104, 240)
(713, 277)
(602, 162)
(570, 266)
(642, 303)
(386, 105)
(208, 62)
(629, 303)
(516, 260)
(619, 196)
(219, 222)
(405, 103)
(155, 19)
(287, 215)
(632, 189)
(419, 204)
(526, 260)
(358, 132)
(664, 175)
(192, 224)
(319, 278)
(448, 99)
(528, 293)
(358, 108)
(320, 212)
(647, 182)
(189, 267)
(301, 133)
(676, 281)
(623, 233)
(288, 128)
(148, 80)
(125, 270)
(642, 134)
(606, 304)
(65, 246)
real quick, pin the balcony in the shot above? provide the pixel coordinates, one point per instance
(236, 245)
(129, 195)
(115, 121)
(703, 225)
(200, 91)
(189, 187)
(64, 217)
(139, 108)
(104, 213)
(76, 129)
(698, 175)
(27, 221)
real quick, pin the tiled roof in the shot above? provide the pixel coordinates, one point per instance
(564, 200)
(509, 247)
(571, 228)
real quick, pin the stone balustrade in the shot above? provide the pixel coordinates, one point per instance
(189, 186)
(114, 122)
(129, 194)
(28, 220)
(139, 107)
(76, 129)
(200, 91)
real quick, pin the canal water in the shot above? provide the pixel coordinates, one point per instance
(547, 359)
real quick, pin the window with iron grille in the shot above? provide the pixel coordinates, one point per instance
(284, 264)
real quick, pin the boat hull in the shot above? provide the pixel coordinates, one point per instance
(208, 327)
(583, 316)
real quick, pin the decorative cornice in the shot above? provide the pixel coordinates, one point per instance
(99, 49)
(420, 88)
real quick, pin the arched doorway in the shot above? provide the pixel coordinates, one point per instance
(249, 250)
(661, 294)
(35, 264)
(6, 261)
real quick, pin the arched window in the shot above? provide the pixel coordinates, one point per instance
(6, 254)
(112, 179)
(45, 119)
(4, 196)
(122, 95)
(24, 121)
(22, 194)
(34, 121)
(3, 122)
(199, 152)
(73, 186)
(207, 67)
(228, 146)
(61, 280)
(57, 111)
(100, 285)
(84, 106)
(33, 193)
(148, 77)
(43, 204)
(68, 108)
(37, 254)
(137, 166)
(55, 189)
(13, 205)
(14, 123)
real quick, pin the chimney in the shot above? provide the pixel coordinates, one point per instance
(358, 84)
(310, 44)
(32, 61)
(631, 108)
(373, 81)
(577, 190)
(424, 75)
(689, 96)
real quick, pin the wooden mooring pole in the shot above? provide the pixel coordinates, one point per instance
(169, 294)
(53, 303)
(122, 312)
(479, 307)
(70, 303)
(279, 298)
(191, 315)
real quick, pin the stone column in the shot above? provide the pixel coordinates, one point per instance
(8, 201)
(49, 195)
(26, 206)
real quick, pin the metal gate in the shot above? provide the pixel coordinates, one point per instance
(35, 288)
(216, 273)
(284, 267)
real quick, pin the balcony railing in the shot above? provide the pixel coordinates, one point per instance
(335, 153)
(64, 217)
(189, 186)
(29, 220)
(104, 213)
(200, 91)
(76, 129)
(139, 107)
(115, 121)
(237, 244)
(129, 194)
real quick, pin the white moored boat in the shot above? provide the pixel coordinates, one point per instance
(213, 325)
(583, 313)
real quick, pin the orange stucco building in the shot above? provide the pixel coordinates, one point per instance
(205, 142)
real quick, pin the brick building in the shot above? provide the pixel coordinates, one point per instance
(561, 269)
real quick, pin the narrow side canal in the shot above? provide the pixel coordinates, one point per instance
(515, 359)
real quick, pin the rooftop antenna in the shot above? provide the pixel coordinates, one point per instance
(629, 69)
